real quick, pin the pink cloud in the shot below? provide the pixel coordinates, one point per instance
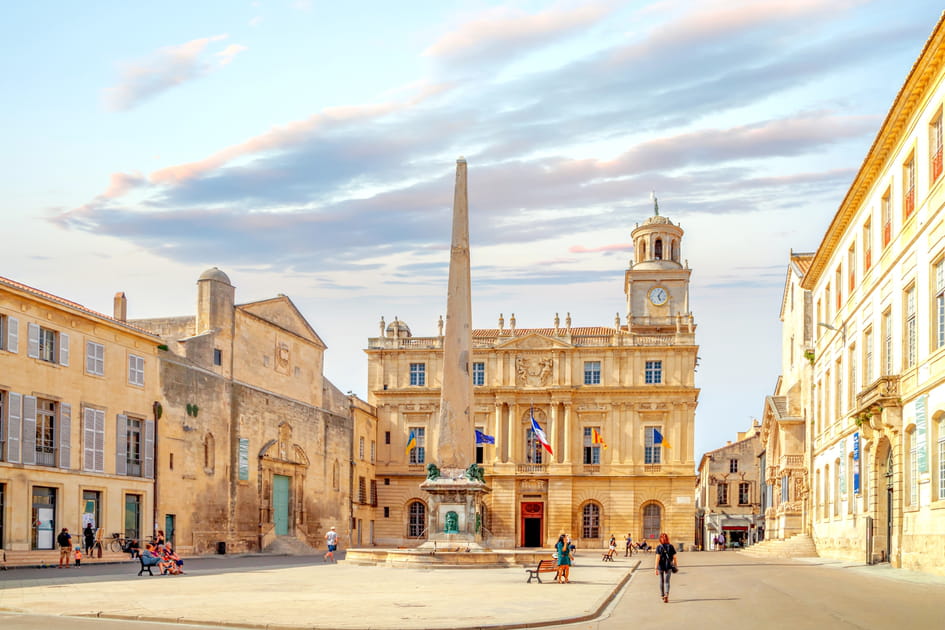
(120, 183)
(615, 247)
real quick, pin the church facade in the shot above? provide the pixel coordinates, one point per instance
(616, 405)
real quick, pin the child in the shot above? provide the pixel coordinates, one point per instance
(78, 556)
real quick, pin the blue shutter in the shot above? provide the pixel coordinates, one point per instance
(14, 426)
(32, 341)
(65, 435)
(63, 349)
(13, 334)
(149, 449)
(121, 446)
(28, 439)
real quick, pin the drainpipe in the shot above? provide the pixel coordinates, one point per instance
(156, 413)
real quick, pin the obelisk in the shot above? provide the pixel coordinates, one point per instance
(453, 431)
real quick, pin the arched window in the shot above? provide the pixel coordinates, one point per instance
(651, 521)
(658, 249)
(416, 519)
(820, 493)
(591, 521)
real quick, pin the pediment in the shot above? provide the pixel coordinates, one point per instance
(533, 341)
(281, 311)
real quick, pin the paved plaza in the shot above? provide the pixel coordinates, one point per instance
(714, 590)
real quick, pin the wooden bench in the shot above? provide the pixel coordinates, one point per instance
(545, 566)
(145, 567)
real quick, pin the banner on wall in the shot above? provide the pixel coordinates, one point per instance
(856, 463)
(922, 433)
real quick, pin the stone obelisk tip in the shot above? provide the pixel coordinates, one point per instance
(461, 159)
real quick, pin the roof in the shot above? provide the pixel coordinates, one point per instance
(19, 286)
(800, 264)
(905, 105)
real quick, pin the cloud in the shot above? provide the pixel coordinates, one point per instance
(501, 33)
(165, 69)
(121, 183)
(617, 247)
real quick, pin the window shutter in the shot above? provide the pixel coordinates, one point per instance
(13, 334)
(65, 435)
(149, 449)
(14, 426)
(99, 441)
(63, 349)
(88, 439)
(89, 357)
(32, 341)
(28, 441)
(121, 446)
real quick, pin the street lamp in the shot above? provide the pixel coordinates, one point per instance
(842, 330)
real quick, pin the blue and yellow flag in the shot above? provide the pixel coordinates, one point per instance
(482, 438)
(659, 439)
(411, 442)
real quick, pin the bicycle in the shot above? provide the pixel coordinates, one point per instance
(119, 543)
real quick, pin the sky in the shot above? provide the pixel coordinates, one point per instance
(309, 148)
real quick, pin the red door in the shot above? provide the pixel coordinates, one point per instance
(532, 515)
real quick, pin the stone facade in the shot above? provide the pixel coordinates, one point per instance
(630, 383)
(252, 442)
(77, 403)
(728, 492)
(877, 438)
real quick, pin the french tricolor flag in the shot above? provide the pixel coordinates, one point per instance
(539, 433)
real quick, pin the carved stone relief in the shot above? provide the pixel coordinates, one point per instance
(533, 371)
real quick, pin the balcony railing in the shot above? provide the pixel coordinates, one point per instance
(591, 469)
(617, 339)
(531, 469)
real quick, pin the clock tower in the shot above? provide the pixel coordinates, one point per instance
(656, 283)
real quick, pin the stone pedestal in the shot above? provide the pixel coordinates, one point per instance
(454, 521)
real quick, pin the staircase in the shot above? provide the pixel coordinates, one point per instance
(797, 546)
(289, 546)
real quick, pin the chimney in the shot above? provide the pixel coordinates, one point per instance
(121, 307)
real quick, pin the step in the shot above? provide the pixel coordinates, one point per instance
(50, 558)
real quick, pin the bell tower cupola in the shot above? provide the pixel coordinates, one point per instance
(657, 280)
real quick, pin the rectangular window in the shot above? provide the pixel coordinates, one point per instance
(909, 351)
(418, 452)
(744, 493)
(820, 329)
(935, 147)
(851, 378)
(47, 345)
(733, 465)
(851, 268)
(827, 302)
(913, 470)
(887, 348)
(3, 432)
(93, 440)
(373, 495)
(133, 448)
(45, 432)
(908, 187)
(886, 217)
(939, 316)
(591, 450)
(361, 448)
(941, 459)
(838, 391)
(418, 374)
(132, 515)
(867, 357)
(373, 451)
(867, 245)
(785, 489)
(362, 490)
(135, 370)
(218, 357)
(653, 374)
(651, 450)
(592, 372)
(479, 374)
(838, 284)
(94, 358)
(386, 511)
(722, 494)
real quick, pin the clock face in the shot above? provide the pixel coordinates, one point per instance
(658, 296)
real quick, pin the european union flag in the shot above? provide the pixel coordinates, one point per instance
(482, 438)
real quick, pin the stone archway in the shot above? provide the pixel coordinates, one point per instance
(882, 484)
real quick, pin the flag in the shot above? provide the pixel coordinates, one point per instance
(597, 439)
(482, 438)
(658, 439)
(540, 434)
(411, 442)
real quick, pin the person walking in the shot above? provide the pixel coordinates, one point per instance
(665, 564)
(64, 540)
(331, 538)
(629, 546)
(563, 550)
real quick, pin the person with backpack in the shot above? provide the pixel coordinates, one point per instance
(64, 540)
(665, 564)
